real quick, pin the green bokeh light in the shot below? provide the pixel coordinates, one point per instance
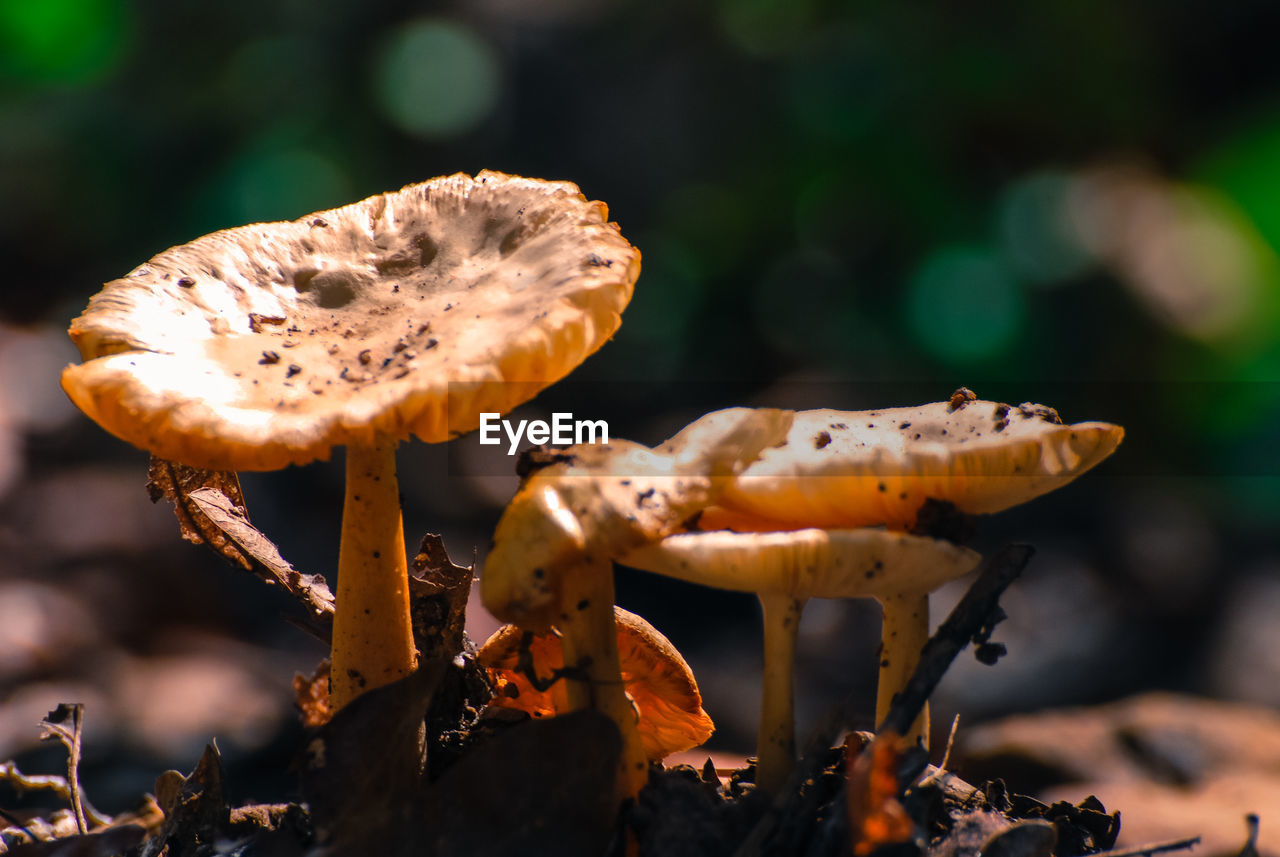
(806, 305)
(841, 92)
(658, 321)
(712, 219)
(1036, 230)
(283, 184)
(62, 41)
(435, 79)
(275, 76)
(1247, 167)
(964, 305)
(767, 28)
(1253, 502)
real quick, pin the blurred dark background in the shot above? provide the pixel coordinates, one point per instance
(1075, 202)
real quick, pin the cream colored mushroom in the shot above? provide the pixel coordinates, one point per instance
(552, 558)
(786, 569)
(657, 680)
(842, 469)
(409, 313)
(867, 468)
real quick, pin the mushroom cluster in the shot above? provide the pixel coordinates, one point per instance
(817, 505)
(409, 313)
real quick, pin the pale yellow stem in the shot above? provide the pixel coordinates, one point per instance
(776, 742)
(372, 633)
(903, 634)
(589, 636)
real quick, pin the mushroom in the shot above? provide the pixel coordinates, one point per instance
(657, 680)
(552, 557)
(867, 468)
(785, 569)
(840, 469)
(409, 313)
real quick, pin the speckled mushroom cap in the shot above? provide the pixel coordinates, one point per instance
(808, 563)
(864, 468)
(656, 677)
(599, 500)
(410, 312)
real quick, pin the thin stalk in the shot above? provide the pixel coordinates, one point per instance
(372, 633)
(589, 635)
(776, 742)
(902, 635)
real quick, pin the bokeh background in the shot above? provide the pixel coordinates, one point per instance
(849, 205)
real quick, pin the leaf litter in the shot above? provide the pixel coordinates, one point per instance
(420, 766)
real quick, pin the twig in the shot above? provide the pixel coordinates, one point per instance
(951, 740)
(54, 725)
(970, 617)
(941, 770)
(22, 783)
(1156, 848)
(1250, 849)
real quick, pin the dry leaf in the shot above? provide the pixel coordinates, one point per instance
(210, 509)
(438, 591)
(230, 520)
(311, 696)
(175, 482)
(196, 811)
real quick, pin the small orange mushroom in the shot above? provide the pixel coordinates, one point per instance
(658, 681)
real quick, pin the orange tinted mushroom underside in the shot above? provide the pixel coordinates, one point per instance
(657, 680)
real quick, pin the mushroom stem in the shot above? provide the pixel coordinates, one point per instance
(903, 634)
(372, 633)
(776, 743)
(589, 637)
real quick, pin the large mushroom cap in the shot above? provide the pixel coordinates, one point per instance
(808, 563)
(410, 312)
(656, 676)
(863, 468)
